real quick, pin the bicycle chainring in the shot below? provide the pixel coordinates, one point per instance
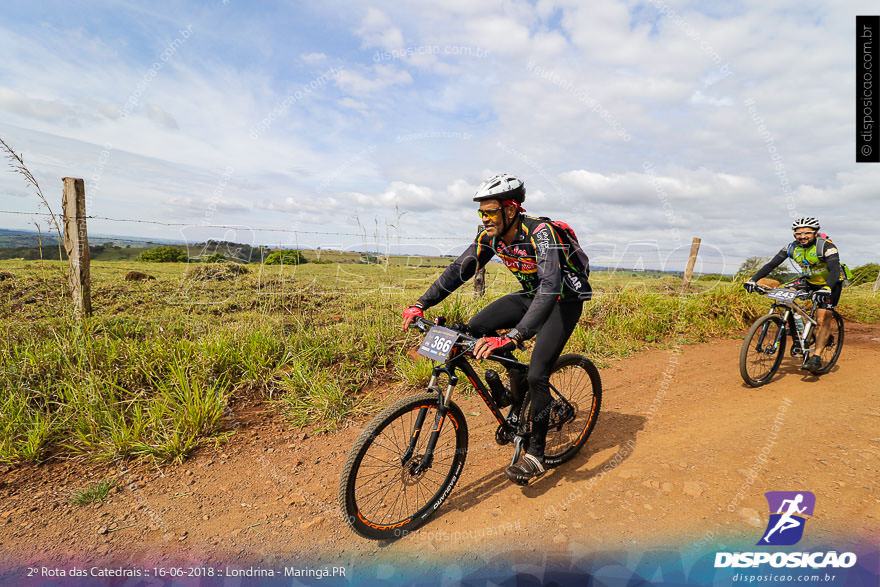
(503, 436)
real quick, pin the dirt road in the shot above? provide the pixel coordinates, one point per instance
(682, 453)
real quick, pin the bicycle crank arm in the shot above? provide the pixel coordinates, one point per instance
(517, 444)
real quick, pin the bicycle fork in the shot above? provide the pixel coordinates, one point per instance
(442, 401)
(776, 341)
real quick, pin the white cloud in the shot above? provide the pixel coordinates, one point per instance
(202, 204)
(160, 117)
(399, 193)
(700, 98)
(31, 107)
(377, 30)
(384, 77)
(353, 104)
(301, 204)
(314, 58)
(105, 109)
(499, 34)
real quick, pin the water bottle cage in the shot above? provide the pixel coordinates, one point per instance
(500, 393)
(519, 384)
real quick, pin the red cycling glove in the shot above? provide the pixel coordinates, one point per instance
(488, 345)
(410, 314)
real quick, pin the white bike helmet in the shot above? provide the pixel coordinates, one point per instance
(501, 187)
(806, 222)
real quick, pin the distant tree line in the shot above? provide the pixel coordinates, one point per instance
(103, 252)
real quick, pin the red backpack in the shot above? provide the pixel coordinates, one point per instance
(574, 254)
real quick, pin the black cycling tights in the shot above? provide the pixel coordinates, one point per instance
(506, 312)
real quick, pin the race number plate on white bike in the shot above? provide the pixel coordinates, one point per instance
(438, 343)
(782, 295)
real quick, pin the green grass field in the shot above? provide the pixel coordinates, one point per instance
(157, 369)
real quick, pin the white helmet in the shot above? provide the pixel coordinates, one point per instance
(805, 222)
(501, 187)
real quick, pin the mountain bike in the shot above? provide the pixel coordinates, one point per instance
(764, 343)
(405, 463)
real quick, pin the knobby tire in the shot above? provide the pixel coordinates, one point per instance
(830, 354)
(757, 367)
(379, 496)
(577, 379)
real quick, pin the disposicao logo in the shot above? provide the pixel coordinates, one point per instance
(788, 516)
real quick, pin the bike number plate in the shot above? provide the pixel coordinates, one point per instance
(782, 295)
(438, 343)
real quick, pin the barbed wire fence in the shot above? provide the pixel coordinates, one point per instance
(287, 230)
(366, 238)
(370, 247)
(369, 244)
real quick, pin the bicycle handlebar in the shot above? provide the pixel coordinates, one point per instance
(466, 341)
(421, 324)
(424, 325)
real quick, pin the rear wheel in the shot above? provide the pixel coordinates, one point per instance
(575, 399)
(833, 346)
(388, 488)
(762, 350)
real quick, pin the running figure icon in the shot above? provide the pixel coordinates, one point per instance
(789, 512)
(787, 521)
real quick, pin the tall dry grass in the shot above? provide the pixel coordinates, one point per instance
(162, 363)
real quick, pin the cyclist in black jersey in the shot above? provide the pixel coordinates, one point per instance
(553, 274)
(819, 261)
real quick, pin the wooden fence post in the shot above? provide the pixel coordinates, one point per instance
(480, 277)
(480, 282)
(76, 242)
(692, 259)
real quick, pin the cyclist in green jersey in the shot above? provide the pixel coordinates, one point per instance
(819, 262)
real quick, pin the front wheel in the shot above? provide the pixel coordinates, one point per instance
(575, 399)
(389, 484)
(762, 350)
(833, 346)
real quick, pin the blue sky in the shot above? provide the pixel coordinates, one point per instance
(642, 124)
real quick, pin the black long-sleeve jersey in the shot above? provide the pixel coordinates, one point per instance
(537, 257)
